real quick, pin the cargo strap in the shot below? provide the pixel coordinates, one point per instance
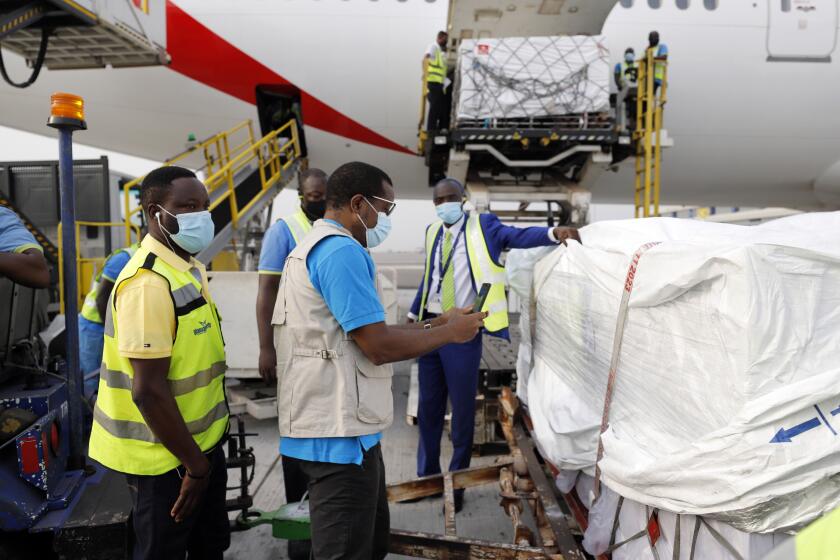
(616, 352)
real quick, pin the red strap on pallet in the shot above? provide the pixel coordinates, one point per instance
(616, 352)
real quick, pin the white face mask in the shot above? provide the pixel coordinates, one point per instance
(376, 235)
(195, 230)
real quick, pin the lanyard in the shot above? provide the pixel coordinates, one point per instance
(443, 267)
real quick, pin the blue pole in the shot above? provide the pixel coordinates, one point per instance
(71, 305)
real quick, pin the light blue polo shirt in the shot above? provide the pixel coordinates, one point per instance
(14, 237)
(344, 274)
(276, 246)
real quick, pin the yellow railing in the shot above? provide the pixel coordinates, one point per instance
(649, 105)
(222, 163)
(86, 267)
(216, 151)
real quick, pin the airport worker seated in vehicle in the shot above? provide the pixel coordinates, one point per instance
(161, 414)
(462, 253)
(279, 240)
(334, 352)
(21, 257)
(91, 317)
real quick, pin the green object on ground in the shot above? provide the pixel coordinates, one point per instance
(289, 522)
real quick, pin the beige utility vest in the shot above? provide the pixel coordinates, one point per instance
(326, 387)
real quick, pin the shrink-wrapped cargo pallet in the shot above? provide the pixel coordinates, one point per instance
(726, 400)
(533, 77)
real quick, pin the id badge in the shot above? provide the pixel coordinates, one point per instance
(434, 307)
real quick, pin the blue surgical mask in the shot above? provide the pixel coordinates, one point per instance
(376, 235)
(628, 58)
(449, 212)
(195, 230)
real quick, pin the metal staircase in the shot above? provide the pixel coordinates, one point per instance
(648, 135)
(242, 177)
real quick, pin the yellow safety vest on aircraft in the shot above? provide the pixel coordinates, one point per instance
(120, 439)
(89, 310)
(483, 269)
(298, 224)
(436, 72)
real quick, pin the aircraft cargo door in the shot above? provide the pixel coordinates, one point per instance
(801, 30)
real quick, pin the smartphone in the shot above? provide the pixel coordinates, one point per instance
(482, 296)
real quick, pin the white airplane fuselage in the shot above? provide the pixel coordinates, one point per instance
(752, 101)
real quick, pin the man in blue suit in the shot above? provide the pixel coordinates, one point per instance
(462, 253)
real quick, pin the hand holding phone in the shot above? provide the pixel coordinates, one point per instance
(481, 298)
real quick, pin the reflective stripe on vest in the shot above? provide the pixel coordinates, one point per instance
(89, 309)
(658, 67)
(436, 71)
(298, 224)
(483, 270)
(120, 439)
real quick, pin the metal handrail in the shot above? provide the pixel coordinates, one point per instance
(80, 291)
(266, 152)
(222, 157)
(648, 135)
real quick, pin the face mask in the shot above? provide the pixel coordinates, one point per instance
(449, 212)
(195, 230)
(377, 234)
(314, 210)
(628, 58)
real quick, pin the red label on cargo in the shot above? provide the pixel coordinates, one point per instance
(483, 49)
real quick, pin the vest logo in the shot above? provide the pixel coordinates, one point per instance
(205, 326)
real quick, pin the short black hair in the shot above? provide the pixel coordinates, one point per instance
(355, 178)
(310, 173)
(155, 185)
(442, 33)
(629, 50)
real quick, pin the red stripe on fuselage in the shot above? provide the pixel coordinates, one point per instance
(199, 53)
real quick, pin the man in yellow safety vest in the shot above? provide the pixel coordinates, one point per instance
(462, 253)
(161, 414)
(91, 317)
(434, 64)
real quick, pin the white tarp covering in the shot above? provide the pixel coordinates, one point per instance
(519, 77)
(727, 398)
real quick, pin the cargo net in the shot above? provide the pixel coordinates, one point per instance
(538, 82)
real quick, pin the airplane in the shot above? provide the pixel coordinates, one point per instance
(751, 107)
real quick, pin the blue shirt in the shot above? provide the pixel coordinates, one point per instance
(276, 246)
(14, 237)
(344, 274)
(113, 267)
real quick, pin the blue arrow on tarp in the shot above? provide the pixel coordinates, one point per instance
(836, 411)
(784, 436)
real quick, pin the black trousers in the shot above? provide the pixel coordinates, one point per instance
(348, 508)
(296, 484)
(438, 108)
(205, 535)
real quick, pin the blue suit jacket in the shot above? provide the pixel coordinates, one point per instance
(499, 238)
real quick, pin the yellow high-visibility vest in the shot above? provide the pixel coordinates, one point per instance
(120, 439)
(89, 310)
(436, 71)
(298, 224)
(483, 269)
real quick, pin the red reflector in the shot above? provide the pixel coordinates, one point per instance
(653, 528)
(55, 439)
(29, 455)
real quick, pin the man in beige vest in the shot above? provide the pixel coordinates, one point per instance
(333, 374)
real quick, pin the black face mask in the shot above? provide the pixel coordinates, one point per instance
(314, 210)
